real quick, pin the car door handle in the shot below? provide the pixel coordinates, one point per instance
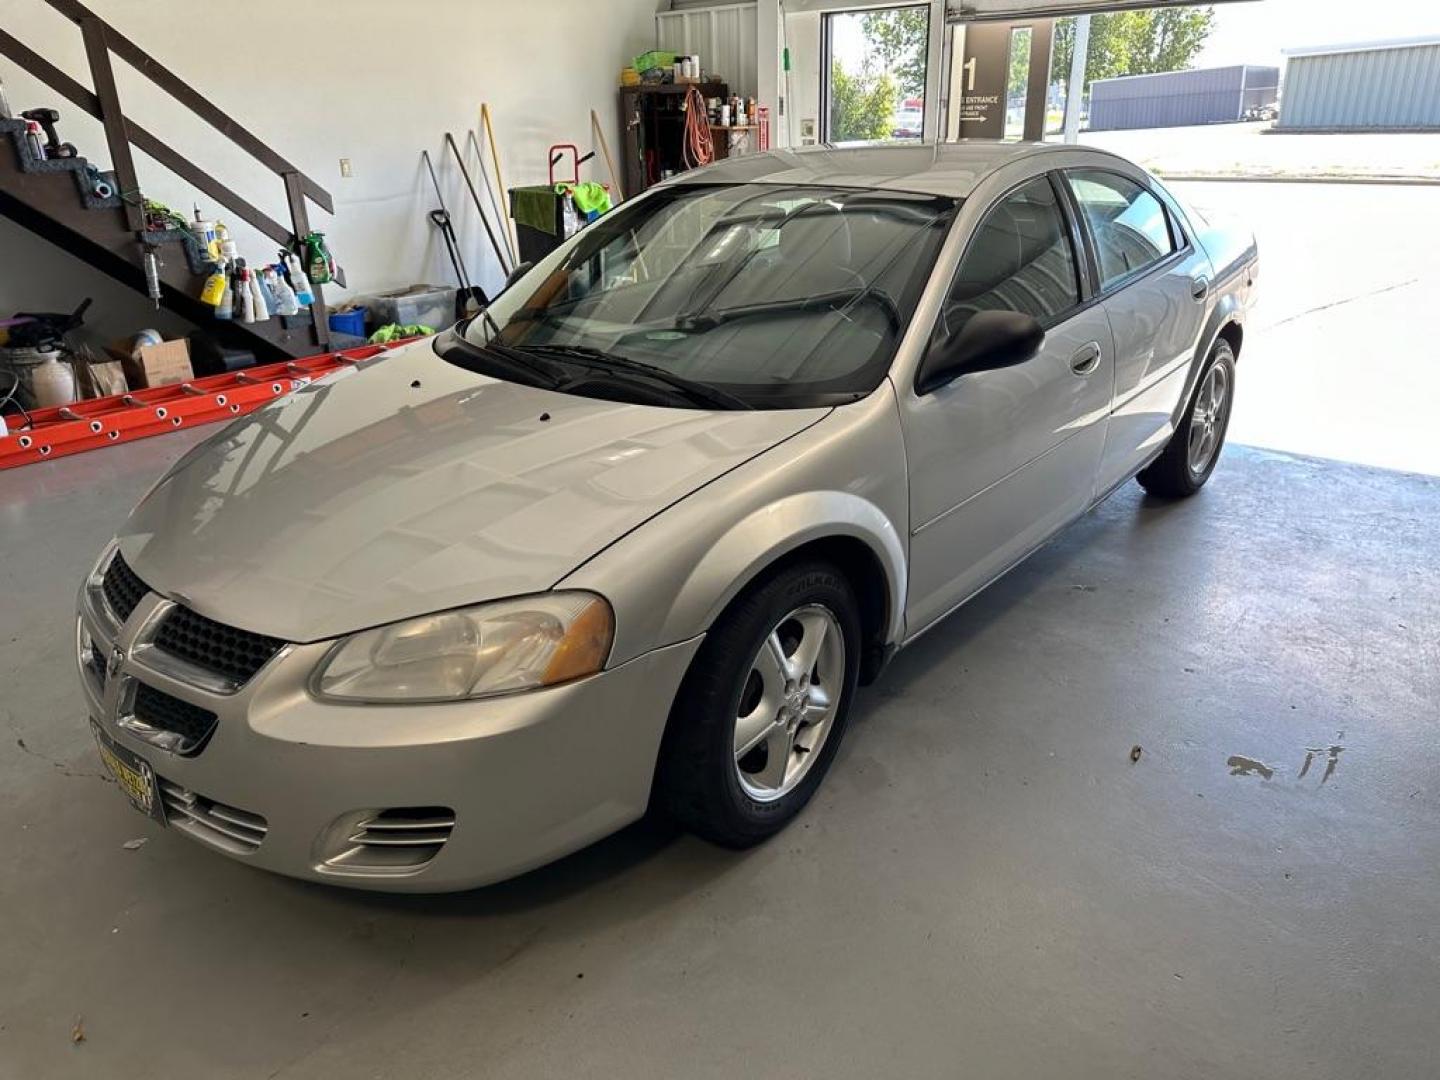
(1200, 287)
(1086, 358)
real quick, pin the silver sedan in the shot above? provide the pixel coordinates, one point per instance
(631, 538)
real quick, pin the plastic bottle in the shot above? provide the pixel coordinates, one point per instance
(303, 292)
(247, 298)
(225, 306)
(5, 113)
(285, 300)
(228, 249)
(257, 296)
(205, 235)
(32, 140)
(214, 286)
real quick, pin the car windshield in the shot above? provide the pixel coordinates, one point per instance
(719, 296)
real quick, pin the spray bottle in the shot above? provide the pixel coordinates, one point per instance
(247, 298)
(303, 292)
(285, 301)
(257, 296)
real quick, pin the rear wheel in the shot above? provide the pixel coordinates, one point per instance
(762, 711)
(1190, 456)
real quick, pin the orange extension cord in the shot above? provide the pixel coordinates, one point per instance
(698, 147)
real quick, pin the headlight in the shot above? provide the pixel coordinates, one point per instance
(480, 651)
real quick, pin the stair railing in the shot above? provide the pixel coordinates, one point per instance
(121, 134)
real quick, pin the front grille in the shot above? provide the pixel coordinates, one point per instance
(190, 723)
(123, 590)
(234, 654)
(237, 831)
(398, 840)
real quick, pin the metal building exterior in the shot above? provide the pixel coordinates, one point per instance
(1181, 98)
(1367, 86)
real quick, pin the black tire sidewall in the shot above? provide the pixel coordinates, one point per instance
(698, 765)
(1220, 354)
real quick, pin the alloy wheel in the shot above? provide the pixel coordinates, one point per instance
(789, 702)
(1208, 418)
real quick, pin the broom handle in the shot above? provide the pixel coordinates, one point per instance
(609, 161)
(509, 220)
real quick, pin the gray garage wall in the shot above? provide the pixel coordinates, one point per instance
(1373, 89)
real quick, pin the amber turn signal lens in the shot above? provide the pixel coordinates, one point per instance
(585, 646)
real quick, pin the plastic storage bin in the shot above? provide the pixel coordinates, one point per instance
(350, 322)
(425, 305)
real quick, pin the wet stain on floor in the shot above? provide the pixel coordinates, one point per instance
(1244, 766)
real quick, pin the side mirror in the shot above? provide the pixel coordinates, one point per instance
(521, 269)
(988, 341)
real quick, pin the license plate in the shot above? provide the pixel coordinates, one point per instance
(132, 773)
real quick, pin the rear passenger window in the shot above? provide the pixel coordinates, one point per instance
(1126, 221)
(1020, 259)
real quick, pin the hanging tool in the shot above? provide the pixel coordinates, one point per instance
(494, 243)
(609, 161)
(508, 220)
(152, 275)
(55, 150)
(441, 220)
(499, 207)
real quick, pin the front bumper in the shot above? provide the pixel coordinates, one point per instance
(529, 777)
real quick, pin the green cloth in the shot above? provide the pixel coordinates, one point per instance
(535, 208)
(394, 332)
(591, 198)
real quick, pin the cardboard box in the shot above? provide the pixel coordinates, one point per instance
(155, 365)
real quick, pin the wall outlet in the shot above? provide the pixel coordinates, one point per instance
(345, 168)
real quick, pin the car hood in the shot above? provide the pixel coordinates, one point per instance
(408, 485)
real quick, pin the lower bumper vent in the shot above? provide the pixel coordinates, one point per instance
(396, 841)
(236, 831)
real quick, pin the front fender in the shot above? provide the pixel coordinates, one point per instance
(843, 478)
(770, 533)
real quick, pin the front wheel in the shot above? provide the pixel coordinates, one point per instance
(1190, 456)
(762, 710)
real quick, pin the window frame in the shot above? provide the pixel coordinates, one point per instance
(1102, 291)
(1082, 283)
(826, 60)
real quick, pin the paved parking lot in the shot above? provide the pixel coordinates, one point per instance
(1340, 361)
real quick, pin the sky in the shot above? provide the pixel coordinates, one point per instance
(1255, 31)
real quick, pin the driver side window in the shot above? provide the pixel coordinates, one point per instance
(1020, 259)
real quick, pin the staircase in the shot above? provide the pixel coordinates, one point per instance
(57, 200)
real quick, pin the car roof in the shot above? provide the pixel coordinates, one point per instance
(949, 168)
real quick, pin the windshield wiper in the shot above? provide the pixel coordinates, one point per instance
(600, 360)
(534, 369)
(700, 323)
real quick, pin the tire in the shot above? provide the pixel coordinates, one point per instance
(1177, 473)
(739, 688)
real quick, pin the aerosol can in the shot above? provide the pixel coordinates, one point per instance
(32, 140)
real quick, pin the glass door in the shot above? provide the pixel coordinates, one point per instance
(874, 74)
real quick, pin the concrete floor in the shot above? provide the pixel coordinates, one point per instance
(986, 885)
